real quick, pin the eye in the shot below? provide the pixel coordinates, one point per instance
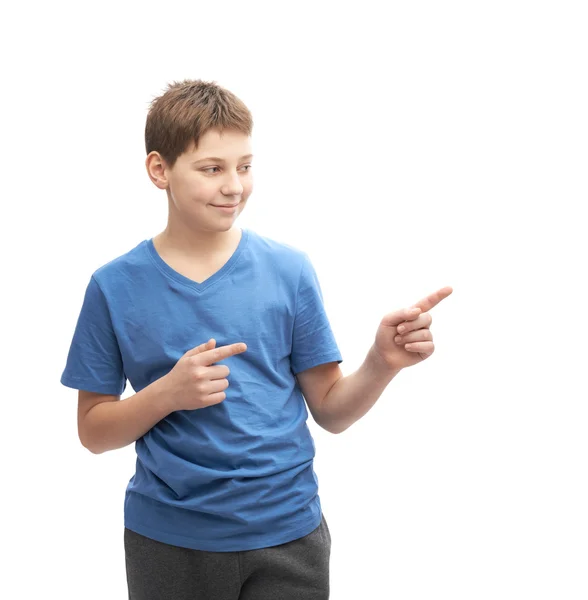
(210, 168)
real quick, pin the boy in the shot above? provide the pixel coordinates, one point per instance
(222, 332)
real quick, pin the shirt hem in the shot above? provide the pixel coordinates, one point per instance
(318, 360)
(91, 386)
(185, 542)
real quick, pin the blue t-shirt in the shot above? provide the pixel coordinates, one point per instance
(237, 475)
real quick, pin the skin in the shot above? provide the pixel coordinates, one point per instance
(195, 228)
(404, 337)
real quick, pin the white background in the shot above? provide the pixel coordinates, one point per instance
(405, 147)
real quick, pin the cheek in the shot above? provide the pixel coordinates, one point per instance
(247, 188)
(199, 189)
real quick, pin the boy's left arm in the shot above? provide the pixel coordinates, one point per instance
(403, 339)
(337, 401)
(315, 384)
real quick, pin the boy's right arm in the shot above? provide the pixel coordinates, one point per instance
(107, 423)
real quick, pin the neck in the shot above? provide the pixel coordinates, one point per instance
(202, 244)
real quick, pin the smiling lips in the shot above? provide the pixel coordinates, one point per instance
(231, 209)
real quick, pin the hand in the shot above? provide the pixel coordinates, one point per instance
(415, 342)
(193, 383)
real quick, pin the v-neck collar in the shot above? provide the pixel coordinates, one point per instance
(194, 285)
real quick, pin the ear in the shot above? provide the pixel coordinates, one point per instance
(157, 169)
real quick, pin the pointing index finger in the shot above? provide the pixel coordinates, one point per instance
(432, 300)
(217, 354)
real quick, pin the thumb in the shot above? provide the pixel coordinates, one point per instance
(404, 314)
(202, 348)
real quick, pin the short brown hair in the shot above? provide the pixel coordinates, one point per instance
(186, 111)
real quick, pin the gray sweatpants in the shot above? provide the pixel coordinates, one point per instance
(297, 570)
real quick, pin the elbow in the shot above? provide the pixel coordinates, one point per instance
(332, 430)
(88, 446)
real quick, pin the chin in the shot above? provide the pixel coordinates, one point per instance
(225, 225)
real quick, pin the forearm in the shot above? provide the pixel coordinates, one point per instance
(113, 425)
(353, 396)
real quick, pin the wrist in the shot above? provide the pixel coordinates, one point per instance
(164, 393)
(379, 366)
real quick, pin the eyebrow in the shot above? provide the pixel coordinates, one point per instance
(219, 159)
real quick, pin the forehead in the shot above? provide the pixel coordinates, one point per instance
(230, 145)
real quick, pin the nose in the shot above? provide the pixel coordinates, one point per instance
(233, 185)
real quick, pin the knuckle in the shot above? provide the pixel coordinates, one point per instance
(199, 373)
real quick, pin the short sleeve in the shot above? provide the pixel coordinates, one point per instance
(313, 341)
(94, 361)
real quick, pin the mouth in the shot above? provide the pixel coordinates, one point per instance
(227, 209)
